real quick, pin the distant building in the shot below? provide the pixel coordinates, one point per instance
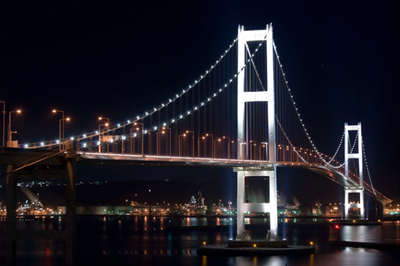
(305, 210)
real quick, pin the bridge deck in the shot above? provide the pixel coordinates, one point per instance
(20, 157)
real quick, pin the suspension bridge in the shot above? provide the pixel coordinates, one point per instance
(239, 113)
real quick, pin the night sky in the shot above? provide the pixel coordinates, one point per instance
(94, 58)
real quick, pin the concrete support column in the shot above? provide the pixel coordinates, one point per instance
(273, 201)
(346, 204)
(360, 205)
(70, 217)
(270, 207)
(11, 224)
(70, 230)
(240, 205)
(65, 171)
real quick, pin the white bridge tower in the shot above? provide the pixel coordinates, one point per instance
(350, 155)
(256, 96)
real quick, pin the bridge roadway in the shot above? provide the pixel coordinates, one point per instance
(22, 158)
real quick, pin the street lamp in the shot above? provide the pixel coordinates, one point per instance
(60, 137)
(141, 135)
(215, 147)
(233, 148)
(132, 142)
(61, 126)
(101, 138)
(106, 125)
(229, 146)
(9, 127)
(187, 132)
(63, 122)
(251, 150)
(158, 140)
(212, 142)
(170, 143)
(179, 143)
(242, 149)
(199, 147)
(264, 145)
(4, 121)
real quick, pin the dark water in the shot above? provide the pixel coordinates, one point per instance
(174, 241)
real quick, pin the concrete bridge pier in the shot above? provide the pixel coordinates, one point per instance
(64, 170)
(270, 206)
(359, 205)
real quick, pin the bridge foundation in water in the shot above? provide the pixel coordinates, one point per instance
(244, 206)
(348, 205)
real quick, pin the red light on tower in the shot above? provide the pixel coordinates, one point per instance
(337, 226)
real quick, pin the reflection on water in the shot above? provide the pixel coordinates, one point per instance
(111, 240)
(388, 232)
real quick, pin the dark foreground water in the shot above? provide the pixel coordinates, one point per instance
(174, 241)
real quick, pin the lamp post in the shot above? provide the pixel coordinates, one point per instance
(4, 121)
(188, 132)
(212, 142)
(132, 141)
(215, 147)
(242, 146)
(101, 139)
(141, 135)
(106, 125)
(158, 141)
(9, 127)
(170, 142)
(61, 121)
(179, 143)
(60, 127)
(251, 150)
(264, 145)
(229, 146)
(199, 147)
(164, 129)
(233, 148)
